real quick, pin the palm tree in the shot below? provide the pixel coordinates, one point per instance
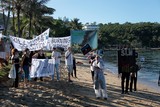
(17, 5)
(34, 10)
(74, 24)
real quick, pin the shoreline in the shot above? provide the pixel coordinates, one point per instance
(148, 84)
(79, 93)
(152, 85)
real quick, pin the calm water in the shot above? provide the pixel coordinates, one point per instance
(150, 68)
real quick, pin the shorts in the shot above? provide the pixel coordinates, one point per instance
(70, 68)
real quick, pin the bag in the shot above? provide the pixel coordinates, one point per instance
(12, 72)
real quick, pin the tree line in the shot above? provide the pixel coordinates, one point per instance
(25, 18)
(143, 34)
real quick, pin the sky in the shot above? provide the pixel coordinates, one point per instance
(107, 11)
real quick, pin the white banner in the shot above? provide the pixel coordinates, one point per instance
(36, 43)
(62, 42)
(41, 68)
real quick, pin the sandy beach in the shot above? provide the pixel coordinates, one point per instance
(80, 93)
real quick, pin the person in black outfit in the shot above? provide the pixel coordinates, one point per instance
(124, 56)
(16, 62)
(39, 55)
(159, 79)
(74, 67)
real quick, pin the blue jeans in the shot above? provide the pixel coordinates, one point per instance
(26, 71)
(56, 68)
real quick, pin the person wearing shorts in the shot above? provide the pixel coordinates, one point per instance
(69, 62)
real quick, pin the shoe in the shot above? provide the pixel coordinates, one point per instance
(126, 93)
(105, 98)
(97, 97)
(70, 81)
(122, 92)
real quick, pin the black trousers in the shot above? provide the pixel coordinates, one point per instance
(92, 74)
(125, 78)
(17, 76)
(74, 71)
(133, 80)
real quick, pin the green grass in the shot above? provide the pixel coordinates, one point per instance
(4, 70)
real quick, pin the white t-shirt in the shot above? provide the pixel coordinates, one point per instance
(99, 64)
(69, 59)
(55, 57)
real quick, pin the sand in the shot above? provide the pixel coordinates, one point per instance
(79, 93)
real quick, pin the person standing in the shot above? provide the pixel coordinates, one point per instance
(25, 64)
(134, 69)
(92, 59)
(69, 63)
(74, 68)
(16, 63)
(159, 79)
(124, 63)
(39, 55)
(99, 79)
(56, 62)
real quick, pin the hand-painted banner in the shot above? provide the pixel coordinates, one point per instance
(36, 43)
(41, 68)
(62, 42)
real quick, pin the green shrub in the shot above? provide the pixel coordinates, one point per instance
(4, 70)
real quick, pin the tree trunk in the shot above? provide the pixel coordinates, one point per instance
(18, 20)
(4, 20)
(13, 22)
(7, 21)
(30, 24)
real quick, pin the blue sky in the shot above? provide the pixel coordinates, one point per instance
(105, 11)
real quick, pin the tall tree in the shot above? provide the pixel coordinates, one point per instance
(18, 6)
(75, 24)
(6, 7)
(34, 10)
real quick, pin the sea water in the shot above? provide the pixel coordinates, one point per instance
(149, 60)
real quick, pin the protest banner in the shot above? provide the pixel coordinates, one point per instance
(36, 43)
(41, 68)
(62, 42)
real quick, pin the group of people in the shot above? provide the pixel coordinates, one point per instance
(22, 66)
(127, 68)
